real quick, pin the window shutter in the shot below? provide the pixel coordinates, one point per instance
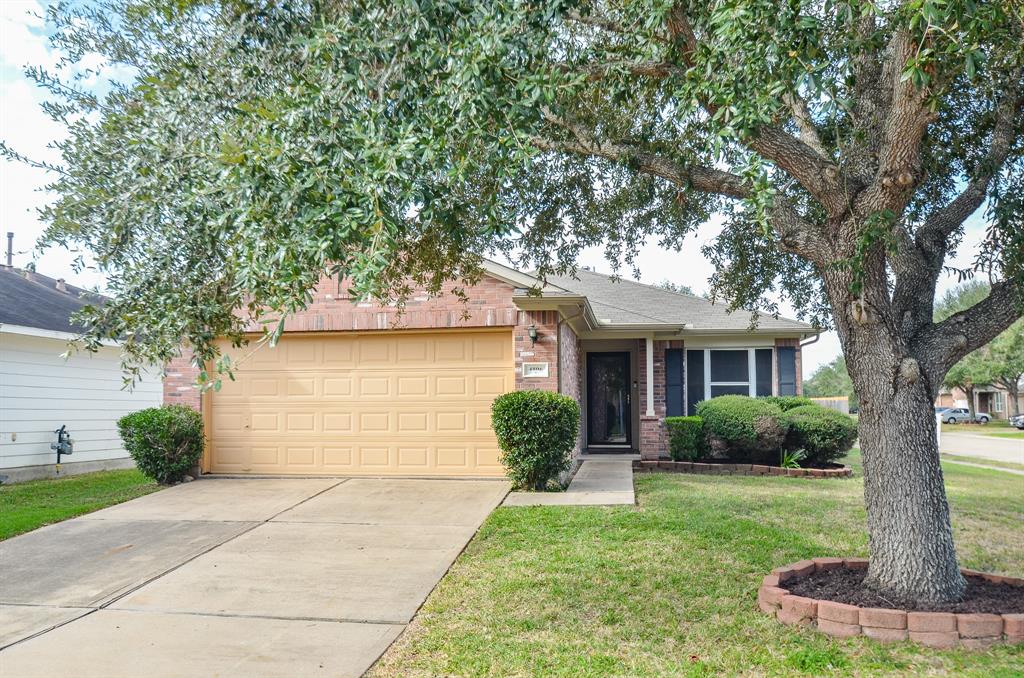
(763, 365)
(787, 370)
(674, 380)
(695, 384)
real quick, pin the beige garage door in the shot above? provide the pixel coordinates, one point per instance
(390, 403)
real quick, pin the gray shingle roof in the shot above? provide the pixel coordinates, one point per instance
(618, 302)
(31, 299)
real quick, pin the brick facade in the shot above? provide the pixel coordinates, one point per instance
(544, 351)
(653, 435)
(180, 382)
(570, 369)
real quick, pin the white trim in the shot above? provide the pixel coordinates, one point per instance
(751, 373)
(650, 375)
(707, 373)
(6, 328)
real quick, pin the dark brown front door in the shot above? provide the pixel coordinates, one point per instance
(608, 393)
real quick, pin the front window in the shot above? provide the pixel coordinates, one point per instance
(997, 401)
(733, 371)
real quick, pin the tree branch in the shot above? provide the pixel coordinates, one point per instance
(944, 344)
(605, 24)
(796, 235)
(805, 123)
(899, 162)
(932, 235)
(815, 172)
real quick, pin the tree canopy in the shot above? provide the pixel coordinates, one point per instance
(261, 143)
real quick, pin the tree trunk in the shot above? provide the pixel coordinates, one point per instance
(970, 403)
(1013, 395)
(910, 538)
(909, 532)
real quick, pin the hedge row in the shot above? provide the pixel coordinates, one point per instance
(757, 430)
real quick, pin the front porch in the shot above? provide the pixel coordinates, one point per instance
(624, 411)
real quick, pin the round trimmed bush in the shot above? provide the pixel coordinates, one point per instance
(823, 434)
(686, 438)
(165, 442)
(743, 428)
(536, 431)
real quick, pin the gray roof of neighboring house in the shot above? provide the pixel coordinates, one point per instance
(621, 302)
(31, 299)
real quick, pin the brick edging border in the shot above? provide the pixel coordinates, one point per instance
(644, 466)
(933, 629)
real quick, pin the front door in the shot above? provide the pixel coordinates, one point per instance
(608, 393)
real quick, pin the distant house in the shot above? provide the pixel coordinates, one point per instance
(987, 398)
(40, 391)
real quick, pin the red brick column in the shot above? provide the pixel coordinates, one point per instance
(653, 435)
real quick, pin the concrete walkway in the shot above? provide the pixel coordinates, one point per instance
(226, 577)
(983, 447)
(598, 482)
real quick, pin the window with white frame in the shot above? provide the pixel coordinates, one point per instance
(728, 371)
(998, 402)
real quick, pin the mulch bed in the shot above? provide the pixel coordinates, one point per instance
(846, 586)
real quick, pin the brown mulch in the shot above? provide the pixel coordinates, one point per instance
(846, 586)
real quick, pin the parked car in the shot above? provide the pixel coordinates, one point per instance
(940, 410)
(958, 415)
(1018, 421)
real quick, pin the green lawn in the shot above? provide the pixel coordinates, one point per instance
(669, 587)
(999, 428)
(26, 506)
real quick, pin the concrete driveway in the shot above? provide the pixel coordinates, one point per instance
(234, 577)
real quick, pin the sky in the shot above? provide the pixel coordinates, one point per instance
(26, 128)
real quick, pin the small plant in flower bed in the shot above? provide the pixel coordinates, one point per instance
(686, 440)
(536, 431)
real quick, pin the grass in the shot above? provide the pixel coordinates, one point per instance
(669, 587)
(26, 506)
(983, 462)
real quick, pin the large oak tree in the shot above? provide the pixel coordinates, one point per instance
(255, 144)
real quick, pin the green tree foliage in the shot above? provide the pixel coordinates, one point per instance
(830, 380)
(676, 287)
(1008, 363)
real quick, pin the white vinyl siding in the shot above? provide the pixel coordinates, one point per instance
(40, 391)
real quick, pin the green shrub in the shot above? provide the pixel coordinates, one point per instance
(787, 403)
(823, 434)
(743, 428)
(165, 442)
(686, 438)
(536, 431)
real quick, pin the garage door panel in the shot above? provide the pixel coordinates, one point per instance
(412, 404)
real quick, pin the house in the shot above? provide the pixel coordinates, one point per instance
(41, 391)
(990, 398)
(354, 388)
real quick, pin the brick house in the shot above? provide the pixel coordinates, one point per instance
(357, 388)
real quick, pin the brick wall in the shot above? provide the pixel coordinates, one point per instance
(489, 304)
(794, 343)
(179, 382)
(653, 435)
(544, 351)
(570, 368)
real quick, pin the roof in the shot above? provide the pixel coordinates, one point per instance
(30, 299)
(625, 302)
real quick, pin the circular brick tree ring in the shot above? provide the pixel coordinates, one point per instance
(934, 629)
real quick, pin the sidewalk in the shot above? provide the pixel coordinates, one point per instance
(598, 482)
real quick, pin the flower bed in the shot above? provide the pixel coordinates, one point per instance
(715, 468)
(841, 620)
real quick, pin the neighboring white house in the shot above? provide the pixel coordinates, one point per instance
(40, 390)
